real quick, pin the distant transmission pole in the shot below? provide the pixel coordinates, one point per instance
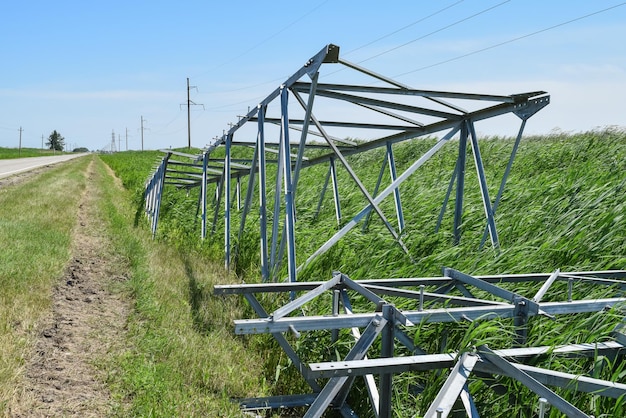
(41, 141)
(20, 147)
(126, 139)
(189, 104)
(119, 142)
(113, 141)
(142, 133)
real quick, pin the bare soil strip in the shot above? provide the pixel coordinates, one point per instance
(87, 320)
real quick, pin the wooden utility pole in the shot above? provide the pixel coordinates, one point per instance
(20, 147)
(189, 104)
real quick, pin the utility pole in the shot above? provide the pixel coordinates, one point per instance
(189, 104)
(20, 147)
(41, 141)
(126, 139)
(113, 141)
(119, 141)
(142, 133)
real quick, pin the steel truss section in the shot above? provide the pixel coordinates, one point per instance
(436, 300)
(387, 110)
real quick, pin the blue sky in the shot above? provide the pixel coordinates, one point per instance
(86, 69)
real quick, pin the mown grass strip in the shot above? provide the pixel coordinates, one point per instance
(182, 359)
(36, 221)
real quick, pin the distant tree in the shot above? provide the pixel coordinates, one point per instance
(55, 141)
(80, 149)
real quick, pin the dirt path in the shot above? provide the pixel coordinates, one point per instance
(87, 320)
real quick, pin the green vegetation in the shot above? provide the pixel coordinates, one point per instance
(7, 153)
(55, 141)
(563, 208)
(36, 240)
(184, 360)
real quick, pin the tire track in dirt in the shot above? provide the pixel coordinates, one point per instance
(86, 322)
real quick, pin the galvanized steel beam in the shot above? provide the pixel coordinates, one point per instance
(441, 407)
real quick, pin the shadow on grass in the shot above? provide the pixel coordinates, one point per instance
(199, 297)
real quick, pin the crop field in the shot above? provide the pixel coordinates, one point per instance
(563, 208)
(6, 153)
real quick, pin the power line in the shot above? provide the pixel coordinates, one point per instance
(403, 28)
(528, 35)
(435, 31)
(252, 48)
(389, 34)
(343, 54)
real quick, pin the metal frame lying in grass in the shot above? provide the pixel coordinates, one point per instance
(331, 381)
(391, 111)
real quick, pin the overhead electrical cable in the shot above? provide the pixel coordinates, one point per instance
(252, 48)
(345, 53)
(528, 35)
(402, 28)
(435, 31)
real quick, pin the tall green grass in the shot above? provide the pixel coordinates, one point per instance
(181, 358)
(563, 208)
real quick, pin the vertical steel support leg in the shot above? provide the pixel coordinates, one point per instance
(447, 198)
(218, 201)
(333, 176)
(227, 182)
(335, 332)
(375, 193)
(290, 235)
(249, 194)
(203, 188)
(520, 321)
(386, 380)
(152, 193)
(482, 179)
(154, 187)
(396, 192)
(323, 192)
(238, 192)
(505, 177)
(305, 131)
(277, 203)
(460, 184)
(148, 196)
(155, 194)
(262, 193)
(159, 195)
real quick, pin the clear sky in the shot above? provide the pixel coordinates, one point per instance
(87, 69)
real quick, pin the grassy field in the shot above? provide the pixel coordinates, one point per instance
(563, 208)
(6, 153)
(184, 360)
(36, 239)
(164, 366)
